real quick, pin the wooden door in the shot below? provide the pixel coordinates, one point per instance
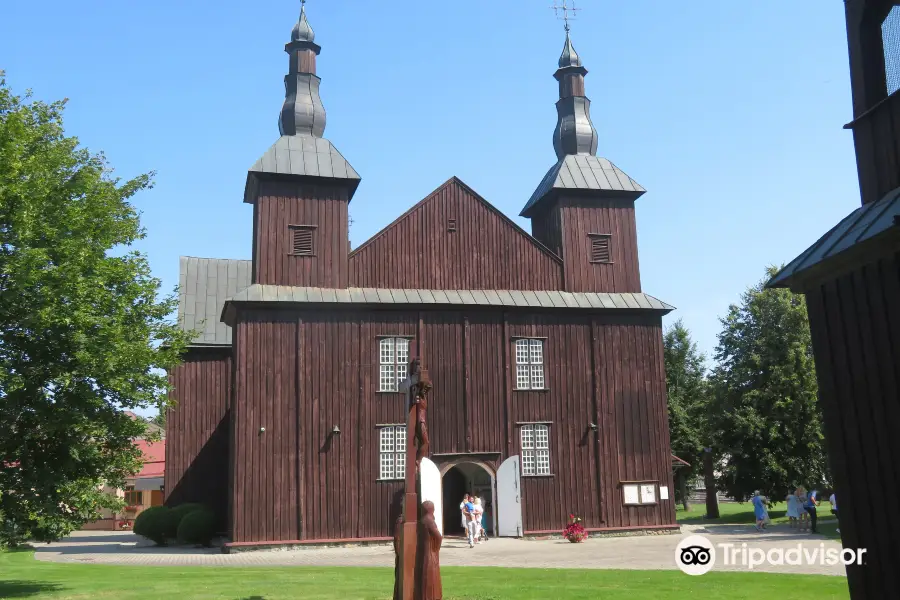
(509, 499)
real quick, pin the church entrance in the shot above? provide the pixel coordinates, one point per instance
(467, 478)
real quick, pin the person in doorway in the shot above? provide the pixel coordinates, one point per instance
(759, 511)
(479, 520)
(833, 501)
(462, 512)
(812, 503)
(471, 523)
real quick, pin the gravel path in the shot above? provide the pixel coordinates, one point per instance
(638, 552)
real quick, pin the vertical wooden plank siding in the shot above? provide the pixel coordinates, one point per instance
(876, 136)
(419, 250)
(855, 325)
(197, 430)
(265, 482)
(281, 204)
(597, 369)
(579, 218)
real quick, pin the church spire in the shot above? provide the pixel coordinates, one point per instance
(575, 133)
(302, 112)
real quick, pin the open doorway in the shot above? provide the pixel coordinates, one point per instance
(466, 478)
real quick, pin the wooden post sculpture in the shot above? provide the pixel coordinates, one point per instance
(428, 572)
(407, 586)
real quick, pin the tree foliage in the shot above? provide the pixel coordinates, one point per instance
(686, 386)
(83, 331)
(764, 414)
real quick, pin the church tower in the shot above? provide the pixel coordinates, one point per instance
(301, 187)
(583, 209)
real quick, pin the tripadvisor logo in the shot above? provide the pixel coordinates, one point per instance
(696, 555)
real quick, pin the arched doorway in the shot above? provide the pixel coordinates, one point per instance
(467, 478)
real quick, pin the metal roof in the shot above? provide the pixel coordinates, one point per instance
(583, 172)
(301, 150)
(258, 293)
(204, 286)
(864, 223)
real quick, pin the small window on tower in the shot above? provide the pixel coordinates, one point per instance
(600, 248)
(451, 225)
(303, 240)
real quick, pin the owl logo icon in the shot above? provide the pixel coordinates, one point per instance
(695, 555)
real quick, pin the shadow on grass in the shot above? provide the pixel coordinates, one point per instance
(26, 589)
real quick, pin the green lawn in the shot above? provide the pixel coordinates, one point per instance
(21, 576)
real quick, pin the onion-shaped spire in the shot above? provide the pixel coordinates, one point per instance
(574, 133)
(302, 112)
(569, 57)
(302, 31)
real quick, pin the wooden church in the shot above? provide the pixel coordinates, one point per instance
(546, 357)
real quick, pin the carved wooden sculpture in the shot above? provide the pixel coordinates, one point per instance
(428, 584)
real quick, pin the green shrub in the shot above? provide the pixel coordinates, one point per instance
(178, 513)
(155, 523)
(197, 527)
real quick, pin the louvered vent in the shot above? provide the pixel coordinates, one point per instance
(303, 241)
(600, 249)
(451, 225)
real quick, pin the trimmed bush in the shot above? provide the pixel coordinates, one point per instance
(178, 513)
(197, 527)
(155, 524)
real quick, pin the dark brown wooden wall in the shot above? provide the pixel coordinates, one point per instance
(487, 251)
(281, 204)
(876, 136)
(855, 324)
(197, 431)
(594, 364)
(580, 217)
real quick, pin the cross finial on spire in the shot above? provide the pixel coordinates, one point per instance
(569, 13)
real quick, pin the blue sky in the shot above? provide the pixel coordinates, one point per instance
(728, 113)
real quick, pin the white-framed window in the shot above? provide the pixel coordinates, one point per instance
(393, 363)
(392, 452)
(535, 449)
(635, 494)
(529, 364)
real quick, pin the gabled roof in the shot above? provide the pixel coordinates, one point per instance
(204, 285)
(457, 181)
(583, 172)
(549, 299)
(154, 457)
(862, 225)
(301, 156)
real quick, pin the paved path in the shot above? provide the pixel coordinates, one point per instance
(638, 552)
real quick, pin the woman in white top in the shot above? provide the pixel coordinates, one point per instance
(476, 517)
(793, 509)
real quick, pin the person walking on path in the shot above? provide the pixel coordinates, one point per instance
(471, 523)
(479, 520)
(793, 509)
(833, 501)
(759, 511)
(804, 514)
(812, 502)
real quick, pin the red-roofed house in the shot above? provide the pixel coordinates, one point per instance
(141, 491)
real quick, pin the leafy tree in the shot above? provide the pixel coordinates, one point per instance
(83, 333)
(764, 412)
(686, 385)
(159, 419)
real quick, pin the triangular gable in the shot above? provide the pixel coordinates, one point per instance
(502, 254)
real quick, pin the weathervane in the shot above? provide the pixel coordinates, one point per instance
(565, 9)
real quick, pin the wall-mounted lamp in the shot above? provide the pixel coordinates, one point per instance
(262, 429)
(593, 426)
(336, 430)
